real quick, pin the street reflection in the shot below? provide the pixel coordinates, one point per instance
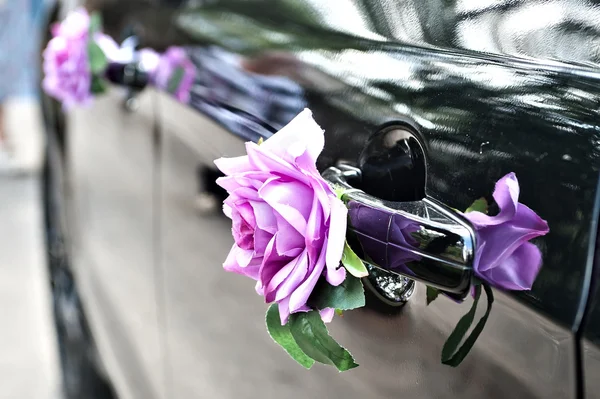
(249, 104)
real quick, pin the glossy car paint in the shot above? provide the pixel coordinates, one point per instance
(487, 94)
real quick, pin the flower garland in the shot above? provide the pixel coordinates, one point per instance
(289, 228)
(78, 56)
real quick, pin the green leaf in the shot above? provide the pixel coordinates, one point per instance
(283, 336)
(479, 205)
(353, 263)
(98, 85)
(175, 80)
(450, 354)
(95, 23)
(98, 61)
(432, 294)
(312, 337)
(346, 296)
(339, 191)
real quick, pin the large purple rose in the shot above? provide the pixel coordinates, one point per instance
(67, 75)
(289, 227)
(505, 257)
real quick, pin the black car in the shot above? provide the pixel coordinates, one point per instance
(468, 91)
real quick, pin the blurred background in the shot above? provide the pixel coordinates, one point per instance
(28, 360)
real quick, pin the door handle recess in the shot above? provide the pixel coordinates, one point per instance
(423, 240)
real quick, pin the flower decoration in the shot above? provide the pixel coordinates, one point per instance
(289, 228)
(74, 61)
(175, 73)
(505, 258)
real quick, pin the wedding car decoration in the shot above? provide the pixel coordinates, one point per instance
(175, 73)
(78, 55)
(74, 61)
(289, 227)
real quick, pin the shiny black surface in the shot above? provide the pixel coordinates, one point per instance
(393, 165)
(480, 117)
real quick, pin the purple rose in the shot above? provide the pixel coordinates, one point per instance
(289, 227)
(505, 258)
(175, 73)
(67, 75)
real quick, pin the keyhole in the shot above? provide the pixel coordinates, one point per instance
(393, 165)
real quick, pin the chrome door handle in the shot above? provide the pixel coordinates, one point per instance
(423, 240)
(127, 70)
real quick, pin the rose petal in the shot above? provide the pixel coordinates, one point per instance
(322, 192)
(284, 310)
(261, 241)
(231, 264)
(518, 271)
(289, 239)
(327, 314)
(302, 134)
(506, 195)
(281, 273)
(266, 161)
(292, 200)
(246, 193)
(502, 240)
(315, 227)
(231, 166)
(294, 278)
(272, 262)
(243, 257)
(264, 216)
(335, 242)
(301, 294)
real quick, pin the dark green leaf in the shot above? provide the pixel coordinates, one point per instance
(98, 85)
(353, 264)
(479, 205)
(461, 329)
(450, 355)
(175, 80)
(312, 337)
(348, 295)
(98, 61)
(432, 294)
(283, 336)
(95, 23)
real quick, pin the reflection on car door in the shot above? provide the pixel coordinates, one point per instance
(474, 130)
(112, 164)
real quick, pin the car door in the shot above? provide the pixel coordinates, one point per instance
(482, 101)
(590, 334)
(111, 157)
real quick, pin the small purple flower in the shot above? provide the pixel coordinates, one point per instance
(505, 257)
(289, 226)
(175, 73)
(67, 75)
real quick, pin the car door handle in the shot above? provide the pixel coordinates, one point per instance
(423, 240)
(128, 70)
